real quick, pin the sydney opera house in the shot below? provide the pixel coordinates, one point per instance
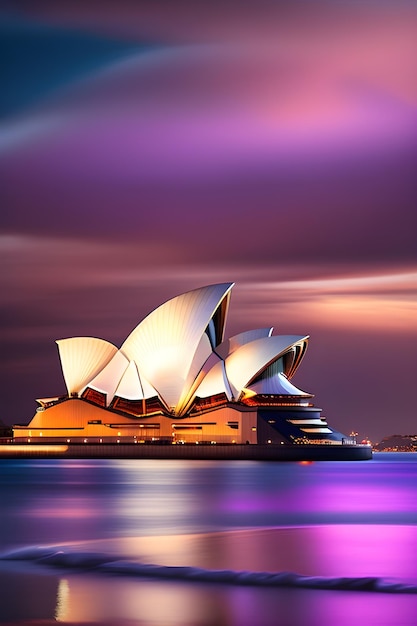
(177, 380)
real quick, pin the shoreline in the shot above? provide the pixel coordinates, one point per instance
(241, 452)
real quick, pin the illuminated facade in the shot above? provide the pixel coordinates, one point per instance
(176, 379)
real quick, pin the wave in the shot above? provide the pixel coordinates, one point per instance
(56, 556)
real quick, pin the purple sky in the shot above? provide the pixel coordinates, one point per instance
(153, 147)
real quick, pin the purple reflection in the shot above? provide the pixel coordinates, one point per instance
(367, 550)
(297, 608)
(318, 493)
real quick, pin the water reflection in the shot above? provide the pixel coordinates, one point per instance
(73, 500)
(63, 600)
(116, 601)
(329, 519)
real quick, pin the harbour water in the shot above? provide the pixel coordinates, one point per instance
(76, 537)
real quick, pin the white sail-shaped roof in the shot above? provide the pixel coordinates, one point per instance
(233, 343)
(196, 372)
(109, 377)
(134, 386)
(82, 358)
(248, 361)
(164, 344)
(276, 385)
(130, 387)
(148, 390)
(177, 353)
(214, 382)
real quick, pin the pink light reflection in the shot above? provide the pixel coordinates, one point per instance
(69, 511)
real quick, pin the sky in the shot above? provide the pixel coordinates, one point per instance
(149, 148)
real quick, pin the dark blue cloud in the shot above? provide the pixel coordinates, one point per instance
(38, 59)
